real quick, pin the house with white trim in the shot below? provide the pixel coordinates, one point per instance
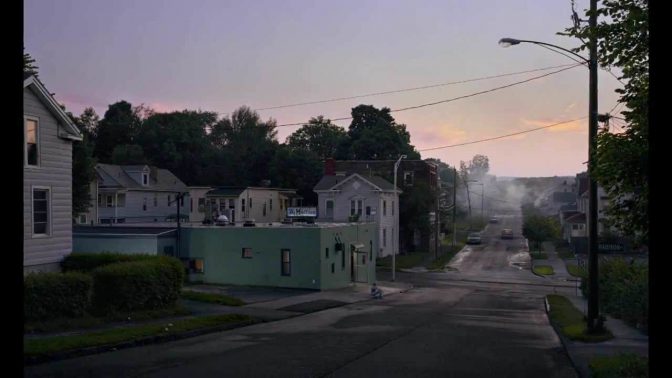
(358, 197)
(136, 194)
(47, 178)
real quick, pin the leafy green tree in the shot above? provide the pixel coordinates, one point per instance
(245, 145)
(374, 135)
(298, 169)
(83, 164)
(128, 154)
(177, 141)
(319, 136)
(479, 166)
(120, 125)
(538, 228)
(622, 159)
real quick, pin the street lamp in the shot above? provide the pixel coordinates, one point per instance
(396, 225)
(593, 305)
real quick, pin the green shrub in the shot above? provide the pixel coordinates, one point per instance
(87, 262)
(137, 285)
(623, 365)
(52, 295)
(624, 291)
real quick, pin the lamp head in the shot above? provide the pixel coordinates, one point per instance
(506, 42)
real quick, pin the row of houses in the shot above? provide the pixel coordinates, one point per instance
(134, 209)
(573, 210)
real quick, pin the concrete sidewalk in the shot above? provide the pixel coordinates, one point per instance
(626, 339)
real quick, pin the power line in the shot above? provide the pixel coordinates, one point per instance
(562, 53)
(451, 99)
(502, 136)
(410, 89)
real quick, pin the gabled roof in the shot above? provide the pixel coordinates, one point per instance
(70, 129)
(116, 176)
(577, 218)
(332, 182)
(229, 191)
(564, 197)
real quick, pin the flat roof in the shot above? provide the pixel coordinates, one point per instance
(122, 230)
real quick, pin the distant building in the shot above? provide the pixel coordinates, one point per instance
(410, 174)
(241, 203)
(367, 198)
(135, 194)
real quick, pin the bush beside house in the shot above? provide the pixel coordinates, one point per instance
(137, 285)
(103, 284)
(87, 262)
(51, 295)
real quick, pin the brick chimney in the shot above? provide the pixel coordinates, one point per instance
(329, 167)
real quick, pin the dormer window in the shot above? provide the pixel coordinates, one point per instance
(145, 179)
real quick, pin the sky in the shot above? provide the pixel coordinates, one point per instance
(217, 55)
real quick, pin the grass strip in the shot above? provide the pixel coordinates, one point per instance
(575, 270)
(622, 365)
(211, 298)
(571, 322)
(88, 321)
(50, 345)
(544, 270)
(403, 261)
(440, 263)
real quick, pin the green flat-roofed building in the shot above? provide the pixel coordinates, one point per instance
(308, 256)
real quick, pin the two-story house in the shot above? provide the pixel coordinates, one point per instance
(411, 175)
(241, 203)
(136, 193)
(47, 178)
(344, 198)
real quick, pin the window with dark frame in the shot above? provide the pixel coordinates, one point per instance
(286, 261)
(40, 211)
(343, 260)
(326, 252)
(384, 208)
(247, 253)
(332, 267)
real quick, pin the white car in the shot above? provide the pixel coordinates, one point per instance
(222, 219)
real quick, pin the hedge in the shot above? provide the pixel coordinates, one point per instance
(87, 262)
(137, 285)
(54, 295)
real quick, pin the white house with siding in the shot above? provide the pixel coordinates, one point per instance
(240, 203)
(369, 198)
(136, 194)
(47, 178)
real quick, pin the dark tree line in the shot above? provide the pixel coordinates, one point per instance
(241, 149)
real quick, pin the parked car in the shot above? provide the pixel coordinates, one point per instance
(494, 220)
(507, 233)
(474, 238)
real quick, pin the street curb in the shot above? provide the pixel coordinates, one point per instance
(34, 360)
(562, 338)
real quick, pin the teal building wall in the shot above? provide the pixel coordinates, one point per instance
(221, 249)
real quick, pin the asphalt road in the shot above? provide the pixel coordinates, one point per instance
(484, 319)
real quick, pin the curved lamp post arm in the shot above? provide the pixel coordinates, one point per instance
(506, 42)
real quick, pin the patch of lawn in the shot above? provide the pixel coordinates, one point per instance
(441, 262)
(88, 321)
(50, 345)
(211, 298)
(538, 256)
(543, 270)
(403, 261)
(622, 365)
(571, 322)
(575, 270)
